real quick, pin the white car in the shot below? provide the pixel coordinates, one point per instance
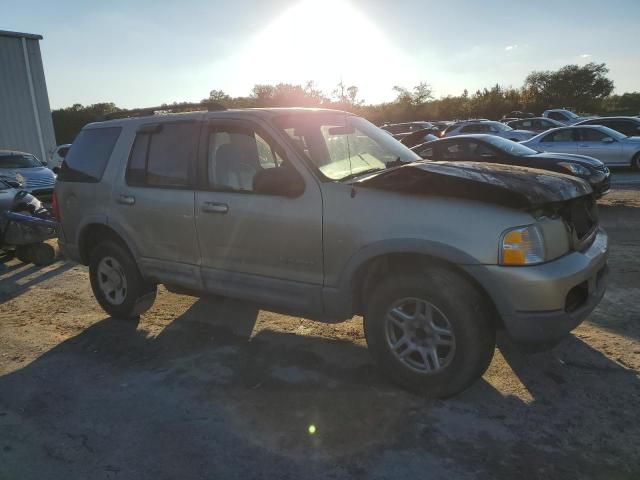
(609, 146)
(57, 156)
(564, 116)
(488, 127)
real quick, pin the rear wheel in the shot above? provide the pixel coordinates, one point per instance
(42, 254)
(117, 283)
(429, 332)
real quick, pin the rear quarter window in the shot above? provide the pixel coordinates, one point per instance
(88, 156)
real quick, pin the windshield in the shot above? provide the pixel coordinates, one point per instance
(612, 133)
(510, 147)
(342, 146)
(19, 160)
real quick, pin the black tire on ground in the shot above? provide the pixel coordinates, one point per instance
(635, 162)
(469, 319)
(42, 254)
(139, 294)
(23, 253)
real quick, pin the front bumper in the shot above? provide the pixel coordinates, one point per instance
(543, 303)
(602, 186)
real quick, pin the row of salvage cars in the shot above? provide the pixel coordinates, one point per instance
(585, 149)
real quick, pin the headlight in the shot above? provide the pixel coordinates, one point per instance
(575, 168)
(522, 246)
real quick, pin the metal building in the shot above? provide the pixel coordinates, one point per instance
(25, 115)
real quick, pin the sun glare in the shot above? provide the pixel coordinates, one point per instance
(326, 41)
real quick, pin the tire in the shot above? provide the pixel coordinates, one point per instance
(635, 162)
(42, 254)
(23, 253)
(117, 283)
(454, 305)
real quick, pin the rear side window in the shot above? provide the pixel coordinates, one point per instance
(560, 136)
(88, 156)
(164, 157)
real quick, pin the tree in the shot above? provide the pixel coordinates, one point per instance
(420, 95)
(67, 122)
(581, 87)
(218, 96)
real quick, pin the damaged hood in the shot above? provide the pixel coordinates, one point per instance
(517, 187)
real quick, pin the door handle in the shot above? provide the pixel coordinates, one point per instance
(126, 199)
(213, 207)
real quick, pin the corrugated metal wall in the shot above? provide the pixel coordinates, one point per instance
(18, 129)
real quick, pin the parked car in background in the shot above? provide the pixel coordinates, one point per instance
(537, 124)
(488, 127)
(629, 126)
(416, 138)
(37, 179)
(441, 125)
(566, 117)
(57, 157)
(607, 145)
(518, 114)
(493, 149)
(401, 130)
(298, 210)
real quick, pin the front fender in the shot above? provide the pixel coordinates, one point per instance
(418, 246)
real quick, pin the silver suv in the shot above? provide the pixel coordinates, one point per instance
(321, 213)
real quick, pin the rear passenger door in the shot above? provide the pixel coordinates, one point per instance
(266, 248)
(154, 201)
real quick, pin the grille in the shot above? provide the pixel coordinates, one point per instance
(581, 215)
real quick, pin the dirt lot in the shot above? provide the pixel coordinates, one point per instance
(206, 389)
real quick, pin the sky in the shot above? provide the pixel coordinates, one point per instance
(140, 53)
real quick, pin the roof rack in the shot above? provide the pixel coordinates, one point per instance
(166, 109)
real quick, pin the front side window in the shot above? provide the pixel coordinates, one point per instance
(163, 157)
(591, 135)
(235, 155)
(342, 146)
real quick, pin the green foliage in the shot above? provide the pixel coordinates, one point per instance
(67, 122)
(584, 88)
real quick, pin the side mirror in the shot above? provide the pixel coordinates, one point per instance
(284, 181)
(607, 140)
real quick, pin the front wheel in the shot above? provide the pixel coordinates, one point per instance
(117, 283)
(429, 332)
(635, 162)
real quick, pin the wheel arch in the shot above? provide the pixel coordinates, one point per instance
(94, 233)
(366, 268)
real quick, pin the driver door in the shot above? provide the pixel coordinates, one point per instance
(593, 144)
(262, 247)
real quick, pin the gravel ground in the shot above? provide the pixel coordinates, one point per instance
(220, 389)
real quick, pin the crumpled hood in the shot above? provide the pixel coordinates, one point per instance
(516, 187)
